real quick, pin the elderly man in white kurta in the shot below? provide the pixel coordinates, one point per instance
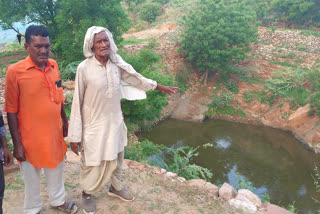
(96, 121)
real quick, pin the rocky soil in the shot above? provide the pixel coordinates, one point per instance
(156, 191)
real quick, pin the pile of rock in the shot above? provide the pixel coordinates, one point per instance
(242, 199)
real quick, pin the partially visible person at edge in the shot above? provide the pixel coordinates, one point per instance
(5, 155)
(37, 121)
(96, 122)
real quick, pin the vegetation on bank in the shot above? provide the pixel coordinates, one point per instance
(316, 179)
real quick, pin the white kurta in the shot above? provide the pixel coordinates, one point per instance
(96, 118)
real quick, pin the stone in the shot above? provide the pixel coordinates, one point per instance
(246, 206)
(227, 192)
(299, 116)
(71, 157)
(171, 175)
(181, 179)
(273, 209)
(163, 171)
(247, 195)
(137, 165)
(200, 183)
(213, 190)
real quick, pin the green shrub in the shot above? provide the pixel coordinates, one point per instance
(218, 33)
(232, 85)
(183, 77)
(292, 207)
(180, 163)
(140, 151)
(149, 11)
(315, 103)
(141, 112)
(176, 160)
(221, 104)
(69, 72)
(316, 181)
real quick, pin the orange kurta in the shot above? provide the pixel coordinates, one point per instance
(33, 95)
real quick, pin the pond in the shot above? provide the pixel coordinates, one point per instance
(270, 160)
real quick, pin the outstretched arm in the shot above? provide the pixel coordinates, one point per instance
(167, 89)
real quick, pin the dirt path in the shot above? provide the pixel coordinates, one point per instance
(155, 193)
(5, 60)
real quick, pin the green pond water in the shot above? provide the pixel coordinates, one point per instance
(272, 160)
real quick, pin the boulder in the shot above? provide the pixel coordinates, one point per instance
(299, 116)
(213, 190)
(246, 206)
(200, 183)
(227, 192)
(172, 175)
(181, 179)
(163, 171)
(247, 195)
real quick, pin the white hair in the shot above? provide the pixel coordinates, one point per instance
(89, 40)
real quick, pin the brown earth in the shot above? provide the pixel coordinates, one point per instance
(155, 193)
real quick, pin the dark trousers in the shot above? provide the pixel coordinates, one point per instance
(2, 185)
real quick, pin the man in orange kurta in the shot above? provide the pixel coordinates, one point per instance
(37, 121)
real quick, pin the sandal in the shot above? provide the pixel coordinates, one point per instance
(72, 208)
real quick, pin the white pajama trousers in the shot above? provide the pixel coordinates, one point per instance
(31, 178)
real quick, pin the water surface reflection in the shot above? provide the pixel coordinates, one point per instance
(272, 160)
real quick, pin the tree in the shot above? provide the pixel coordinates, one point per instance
(27, 11)
(149, 11)
(139, 111)
(217, 33)
(74, 17)
(298, 11)
(67, 20)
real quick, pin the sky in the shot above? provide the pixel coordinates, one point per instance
(10, 35)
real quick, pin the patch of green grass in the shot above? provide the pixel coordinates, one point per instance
(285, 116)
(2, 66)
(285, 64)
(292, 207)
(250, 95)
(310, 33)
(300, 47)
(133, 41)
(13, 186)
(299, 60)
(221, 105)
(131, 211)
(19, 184)
(290, 55)
(114, 207)
(12, 61)
(9, 53)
